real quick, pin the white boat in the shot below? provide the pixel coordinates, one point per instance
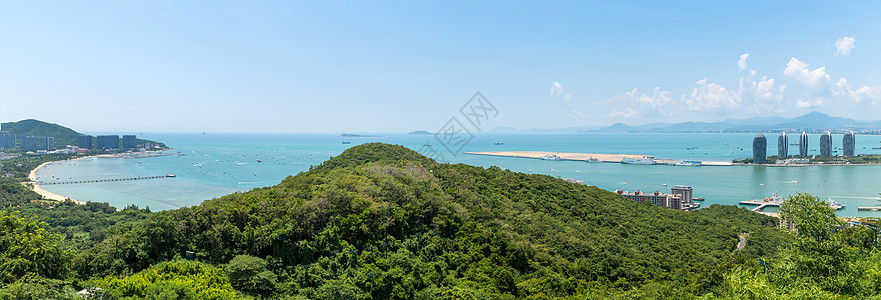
(836, 205)
(638, 161)
(551, 157)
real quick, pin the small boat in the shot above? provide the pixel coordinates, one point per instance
(427, 144)
(638, 161)
(259, 161)
(691, 148)
(592, 160)
(499, 143)
(170, 175)
(793, 181)
(836, 205)
(346, 142)
(551, 157)
(876, 148)
(794, 144)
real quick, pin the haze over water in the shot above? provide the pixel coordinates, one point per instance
(219, 164)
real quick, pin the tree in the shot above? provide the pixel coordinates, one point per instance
(248, 273)
(813, 218)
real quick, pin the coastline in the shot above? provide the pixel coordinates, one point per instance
(32, 176)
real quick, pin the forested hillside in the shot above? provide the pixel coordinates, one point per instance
(383, 222)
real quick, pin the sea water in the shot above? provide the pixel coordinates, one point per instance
(211, 165)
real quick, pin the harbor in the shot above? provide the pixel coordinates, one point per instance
(599, 157)
(776, 201)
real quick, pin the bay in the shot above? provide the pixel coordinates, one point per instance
(219, 164)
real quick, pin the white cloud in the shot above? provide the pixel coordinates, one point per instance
(577, 114)
(803, 104)
(765, 89)
(657, 98)
(556, 89)
(812, 79)
(866, 92)
(844, 45)
(742, 62)
(627, 113)
(567, 97)
(707, 96)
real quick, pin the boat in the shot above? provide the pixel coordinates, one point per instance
(688, 163)
(499, 143)
(793, 181)
(170, 175)
(346, 143)
(691, 148)
(794, 144)
(551, 157)
(836, 205)
(638, 161)
(427, 144)
(592, 160)
(876, 148)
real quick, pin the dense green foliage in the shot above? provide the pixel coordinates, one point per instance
(382, 222)
(827, 260)
(179, 279)
(27, 248)
(13, 193)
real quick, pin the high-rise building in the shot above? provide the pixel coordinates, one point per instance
(826, 144)
(783, 145)
(760, 149)
(7, 140)
(108, 142)
(850, 144)
(686, 193)
(34, 143)
(84, 141)
(129, 142)
(803, 145)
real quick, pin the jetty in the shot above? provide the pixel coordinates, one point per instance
(869, 208)
(590, 157)
(761, 204)
(104, 180)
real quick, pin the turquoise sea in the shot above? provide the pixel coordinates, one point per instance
(219, 164)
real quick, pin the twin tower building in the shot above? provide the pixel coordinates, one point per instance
(760, 146)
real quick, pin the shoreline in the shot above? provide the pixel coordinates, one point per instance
(32, 176)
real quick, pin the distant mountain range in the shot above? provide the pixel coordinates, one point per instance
(811, 122)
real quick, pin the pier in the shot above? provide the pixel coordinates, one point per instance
(761, 204)
(103, 180)
(869, 208)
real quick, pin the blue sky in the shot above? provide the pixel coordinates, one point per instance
(326, 66)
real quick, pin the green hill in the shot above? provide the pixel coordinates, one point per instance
(381, 221)
(63, 135)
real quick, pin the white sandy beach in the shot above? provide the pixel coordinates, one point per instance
(47, 194)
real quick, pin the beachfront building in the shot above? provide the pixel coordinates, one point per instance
(760, 149)
(826, 144)
(84, 141)
(7, 140)
(681, 198)
(36, 143)
(108, 142)
(129, 142)
(686, 193)
(783, 145)
(803, 145)
(849, 142)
